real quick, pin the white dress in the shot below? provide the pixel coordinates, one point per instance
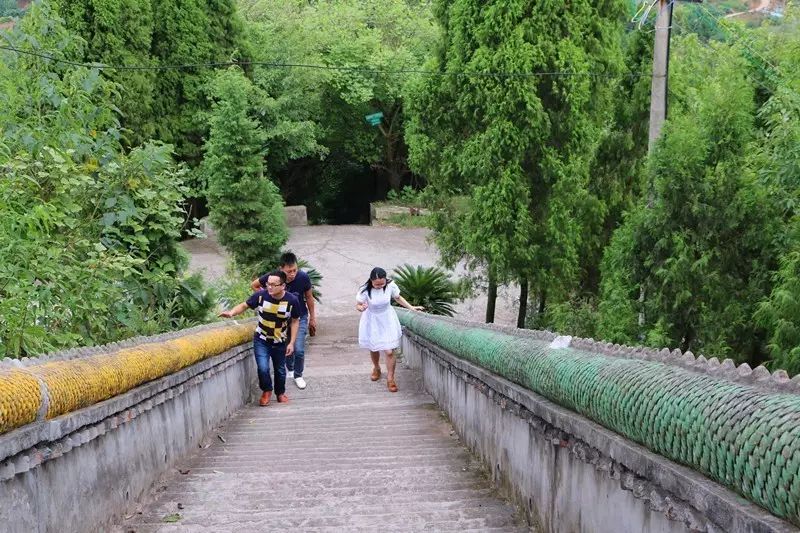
(379, 328)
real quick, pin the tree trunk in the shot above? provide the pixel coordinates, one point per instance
(541, 303)
(394, 165)
(491, 299)
(523, 302)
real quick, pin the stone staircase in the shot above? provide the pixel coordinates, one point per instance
(342, 455)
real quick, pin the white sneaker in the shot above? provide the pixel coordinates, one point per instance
(300, 382)
(290, 374)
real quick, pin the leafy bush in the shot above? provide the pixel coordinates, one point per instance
(231, 289)
(407, 220)
(577, 316)
(245, 206)
(779, 314)
(88, 233)
(429, 287)
(407, 196)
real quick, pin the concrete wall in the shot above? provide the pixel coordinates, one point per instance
(295, 215)
(380, 213)
(81, 471)
(567, 473)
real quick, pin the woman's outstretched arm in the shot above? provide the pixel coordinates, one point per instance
(402, 301)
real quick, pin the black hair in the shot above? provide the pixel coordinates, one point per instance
(377, 273)
(279, 273)
(288, 258)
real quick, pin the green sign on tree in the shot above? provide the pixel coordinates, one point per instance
(374, 119)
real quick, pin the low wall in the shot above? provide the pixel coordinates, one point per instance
(573, 438)
(380, 212)
(109, 421)
(295, 215)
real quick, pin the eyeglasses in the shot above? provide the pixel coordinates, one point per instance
(274, 284)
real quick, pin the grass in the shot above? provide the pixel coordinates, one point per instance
(407, 220)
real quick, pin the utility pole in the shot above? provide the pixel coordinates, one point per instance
(658, 91)
(658, 100)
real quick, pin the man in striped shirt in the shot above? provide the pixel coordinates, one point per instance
(278, 322)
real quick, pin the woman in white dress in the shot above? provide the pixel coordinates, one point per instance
(379, 328)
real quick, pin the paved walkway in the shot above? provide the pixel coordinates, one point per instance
(343, 455)
(346, 254)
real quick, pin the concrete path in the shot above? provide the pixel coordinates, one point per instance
(343, 455)
(346, 254)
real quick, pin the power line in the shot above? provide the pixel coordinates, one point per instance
(752, 79)
(723, 23)
(362, 70)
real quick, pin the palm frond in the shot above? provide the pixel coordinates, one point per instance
(430, 287)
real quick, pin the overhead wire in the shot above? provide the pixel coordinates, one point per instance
(726, 25)
(273, 64)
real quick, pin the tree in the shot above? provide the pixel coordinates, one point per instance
(515, 148)
(119, 32)
(615, 185)
(358, 45)
(703, 250)
(775, 162)
(245, 206)
(88, 250)
(778, 314)
(188, 32)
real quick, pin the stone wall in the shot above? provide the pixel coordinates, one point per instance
(382, 213)
(569, 472)
(82, 468)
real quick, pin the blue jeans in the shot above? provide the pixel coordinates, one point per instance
(264, 351)
(297, 362)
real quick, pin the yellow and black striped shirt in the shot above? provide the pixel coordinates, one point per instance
(274, 315)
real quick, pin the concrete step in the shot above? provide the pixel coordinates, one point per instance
(307, 497)
(273, 509)
(462, 527)
(369, 518)
(342, 455)
(329, 483)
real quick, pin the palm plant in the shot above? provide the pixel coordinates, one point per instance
(314, 275)
(429, 287)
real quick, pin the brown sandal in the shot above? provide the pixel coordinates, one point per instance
(376, 374)
(392, 385)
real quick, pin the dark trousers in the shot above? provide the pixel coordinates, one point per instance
(264, 351)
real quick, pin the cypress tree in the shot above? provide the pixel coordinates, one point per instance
(515, 147)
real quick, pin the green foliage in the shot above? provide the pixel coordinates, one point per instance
(701, 20)
(87, 232)
(518, 148)
(245, 206)
(314, 275)
(9, 8)
(429, 287)
(119, 32)
(233, 288)
(407, 196)
(617, 168)
(576, 316)
(702, 251)
(408, 220)
(618, 312)
(165, 104)
(779, 315)
(367, 39)
(189, 32)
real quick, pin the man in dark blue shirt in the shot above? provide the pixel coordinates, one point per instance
(274, 339)
(299, 284)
